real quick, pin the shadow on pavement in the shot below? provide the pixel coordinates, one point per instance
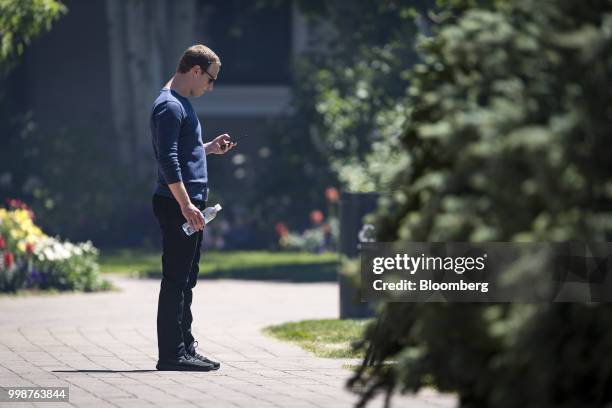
(104, 371)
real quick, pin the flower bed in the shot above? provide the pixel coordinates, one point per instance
(323, 234)
(31, 259)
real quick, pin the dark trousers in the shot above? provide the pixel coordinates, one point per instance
(180, 267)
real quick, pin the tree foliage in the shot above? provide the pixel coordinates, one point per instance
(20, 22)
(506, 138)
(352, 78)
(343, 79)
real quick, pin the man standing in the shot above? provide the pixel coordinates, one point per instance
(180, 196)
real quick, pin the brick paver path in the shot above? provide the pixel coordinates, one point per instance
(103, 347)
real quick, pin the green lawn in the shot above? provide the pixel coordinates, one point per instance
(324, 338)
(293, 266)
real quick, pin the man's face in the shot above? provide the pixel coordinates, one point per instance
(204, 79)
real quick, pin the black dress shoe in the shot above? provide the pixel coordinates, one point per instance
(184, 363)
(193, 353)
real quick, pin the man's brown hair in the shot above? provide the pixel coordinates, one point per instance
(197, 55)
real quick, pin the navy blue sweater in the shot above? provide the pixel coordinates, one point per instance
(177, 141)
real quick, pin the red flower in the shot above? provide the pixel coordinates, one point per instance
(9, 260)
(30, 248)
(281, 229)
(2, 242)
(316, 216)
(16, 203)
(331, 194)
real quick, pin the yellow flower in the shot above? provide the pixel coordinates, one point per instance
(18, 226)
(22, 216)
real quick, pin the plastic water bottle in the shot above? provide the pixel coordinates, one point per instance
(209, 214)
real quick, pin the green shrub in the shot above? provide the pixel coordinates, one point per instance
(507, 138)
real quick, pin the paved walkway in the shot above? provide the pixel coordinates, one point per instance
(103, 347)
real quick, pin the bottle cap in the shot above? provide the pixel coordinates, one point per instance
(218, 207)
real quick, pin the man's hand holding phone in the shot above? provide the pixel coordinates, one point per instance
(220, 145)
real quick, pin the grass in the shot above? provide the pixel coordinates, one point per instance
(324, 338)
(292, 266)
(128, 262)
